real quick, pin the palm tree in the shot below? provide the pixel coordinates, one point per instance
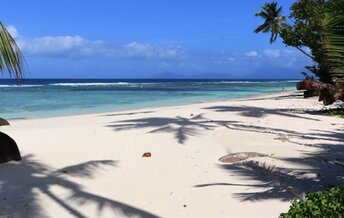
(332, 54)
(11, 58)
(273, 20)
(334, 40)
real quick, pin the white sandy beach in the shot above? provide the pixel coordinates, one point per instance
(92, 165)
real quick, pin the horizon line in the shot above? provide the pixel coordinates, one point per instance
(158, 78)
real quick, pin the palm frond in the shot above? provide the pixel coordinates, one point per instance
(11, 58)
(263, 27)
(262, 14)
(334, 41)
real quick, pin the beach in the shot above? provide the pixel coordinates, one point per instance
(92, 165)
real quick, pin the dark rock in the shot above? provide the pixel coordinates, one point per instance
(3, 122)
(8, 149)
(310, 93)
(300, 86)
(306, 84)
(327, 96)
(328, 93)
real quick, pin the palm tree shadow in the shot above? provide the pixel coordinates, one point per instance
(275, 183)
(336, 136)
(259, 112)
(314, 170)
(181, 127)
(21, 183)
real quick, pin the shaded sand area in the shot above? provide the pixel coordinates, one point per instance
(92, 166)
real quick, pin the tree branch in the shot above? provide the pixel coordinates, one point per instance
(304, 52)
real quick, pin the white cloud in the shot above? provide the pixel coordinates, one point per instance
(71, 46)
(252, 54)
(283, 57)
(79, 47)
(135, 49)
(167, 58)
(272, 53)
(275, 58)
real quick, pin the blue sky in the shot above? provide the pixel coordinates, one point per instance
(146, 39)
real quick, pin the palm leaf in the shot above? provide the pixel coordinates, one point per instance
(262, 14)
(334, 41)
(11, 58)
(264, 27)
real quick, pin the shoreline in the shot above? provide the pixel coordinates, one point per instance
(92, 164)
(267, 95)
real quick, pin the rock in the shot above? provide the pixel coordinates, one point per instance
(3, 122)
(310, 93)
(8, 149)
(147, 154)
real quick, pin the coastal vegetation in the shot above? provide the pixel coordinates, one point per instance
(316, 28)
(328, 203)
(339, 112)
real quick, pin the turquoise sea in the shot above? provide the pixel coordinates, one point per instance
(33, 98)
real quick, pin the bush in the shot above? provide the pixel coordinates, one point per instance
(339, 112)
(320, 204)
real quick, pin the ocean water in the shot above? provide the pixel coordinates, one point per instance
(34, 98)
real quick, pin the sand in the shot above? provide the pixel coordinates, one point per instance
(92, 165)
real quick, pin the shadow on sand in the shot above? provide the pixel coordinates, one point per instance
(319, 170)
(316, 169)
(258, 112)
(180, 127)
(21, 182)
(127, 114)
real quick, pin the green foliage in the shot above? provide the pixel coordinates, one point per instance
(305, 33)
(334, 39)
(339, 112)
(319, 204)
(306, 17)
(11, 58)
(316, 28)
(273, 20)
